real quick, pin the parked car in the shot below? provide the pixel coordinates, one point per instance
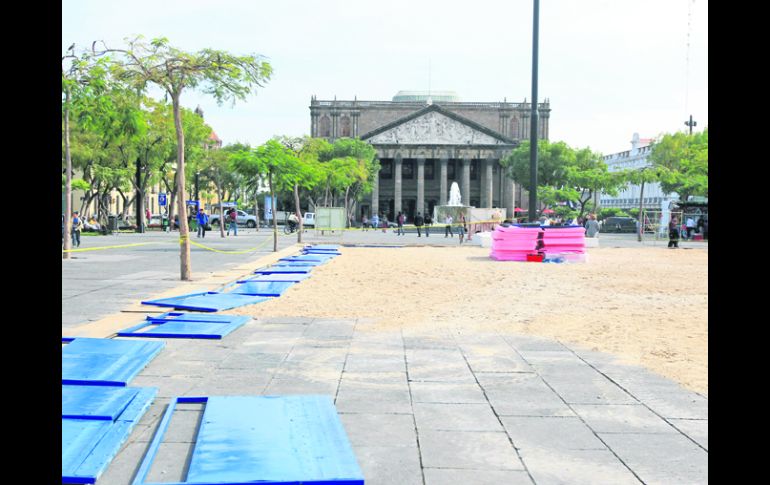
(243, 219)
(618, 224)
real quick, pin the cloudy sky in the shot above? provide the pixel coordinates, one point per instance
(609, 68)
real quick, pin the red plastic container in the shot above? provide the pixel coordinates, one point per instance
(535, 258)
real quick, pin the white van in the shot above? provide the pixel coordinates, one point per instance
(308, 220)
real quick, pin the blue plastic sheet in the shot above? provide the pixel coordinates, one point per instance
(263, 288)
(210, 301)
(88, 445)
(296, 264)
(294, 277)
(95, 402)
(186, 329)
(105, 362)
(317, 258)
(267, 439)
(323, 246)
(193, 317)
(282, 269)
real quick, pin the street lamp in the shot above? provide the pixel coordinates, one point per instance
(691, 123)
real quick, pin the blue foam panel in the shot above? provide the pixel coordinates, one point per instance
(318, 258)
(105, 362)
(193, 317)
(266, 439)
(210, 301)
(89, 445)
(263, 288)
(323, 246)
(284, 270)
(95, 402)
(185, 329)
(296, 264)
(295, 277)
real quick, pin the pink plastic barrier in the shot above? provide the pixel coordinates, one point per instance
(570, 239)
(513, 243)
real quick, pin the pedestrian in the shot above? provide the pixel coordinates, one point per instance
(203, 221)
(592, 227)
(384, 223)
(461, 228)
(428, 223)
(418, 221)
(364, 222)
(375, 221)
(690, 227)
(673, 233)
(147, 217)
(448, 229)
(77, 226)
(233, 216)
(400, 224)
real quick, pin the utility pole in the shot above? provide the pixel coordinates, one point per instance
(533, 118)
(691, 123)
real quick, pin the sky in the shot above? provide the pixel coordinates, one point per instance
(609, 68)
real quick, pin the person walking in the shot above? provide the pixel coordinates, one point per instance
(428, 223)
(77, 226)
(233, 215)
(400, 224)
(673, 233)
(418, 223)
(375, 221)
(690, 227)
(461, 228)
(203, 221)
(364, 222)
(448, 229)
(592, 226)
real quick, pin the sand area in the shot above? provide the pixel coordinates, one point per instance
(647, 305)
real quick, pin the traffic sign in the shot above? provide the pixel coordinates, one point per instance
(162, 199)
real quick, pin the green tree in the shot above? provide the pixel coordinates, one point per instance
(682, 160)
(218, 73)
(83, 82)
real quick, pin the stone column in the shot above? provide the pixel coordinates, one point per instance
(466, 182)
(420, 206)
(489, 187)
(442, 196)
(396, 185)
(376, 195)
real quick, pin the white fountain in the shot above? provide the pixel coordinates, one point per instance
(453, 207)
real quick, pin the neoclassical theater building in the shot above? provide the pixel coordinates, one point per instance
(425, 141)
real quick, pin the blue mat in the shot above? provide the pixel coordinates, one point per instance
(174, 328)
(209, 301)
(284, 270)
(295, 277)
(89, 444)
(192, 317)
(296, 264)
(266, 439)
(262, 288)
(317, 258)
(105, 362)
(320, 251)
(323, 246)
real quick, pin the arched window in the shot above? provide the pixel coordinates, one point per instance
(326, 126)
(514, 128)
(345, 123)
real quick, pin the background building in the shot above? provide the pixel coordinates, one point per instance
(634, 158)
(425, 141)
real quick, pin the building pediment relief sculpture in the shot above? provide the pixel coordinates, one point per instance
(434, 129)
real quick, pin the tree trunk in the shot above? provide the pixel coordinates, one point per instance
(272, 208)
(68, 182)
(641, 215)
(185, 270)
(298, 212)
(256, 208)
(347, 212)
(220, 194)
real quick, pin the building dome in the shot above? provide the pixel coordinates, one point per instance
(435, 96)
